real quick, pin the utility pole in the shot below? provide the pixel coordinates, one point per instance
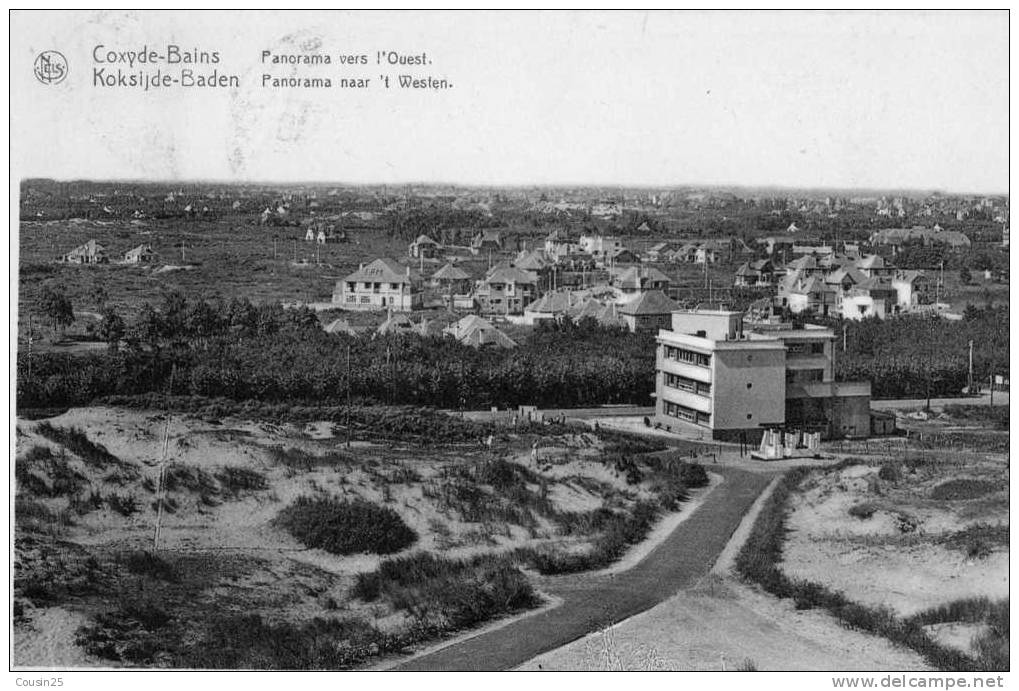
(969, 384)
(161, 487)
(30, 347)
(348, 396)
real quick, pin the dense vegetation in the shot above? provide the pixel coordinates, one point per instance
(346, 527)
(909, 357)
(448, 593)
(235, 349)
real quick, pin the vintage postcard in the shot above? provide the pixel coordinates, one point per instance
(541, 340)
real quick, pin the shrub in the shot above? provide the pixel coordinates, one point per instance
(890, 472)
(145, 563)
(78, 443)
(346, 527)
(978, 540)
(126, 505)
(618, 532)
(300, 460)
(235, 479)
(863, 511)
(962, 489)
(694, 475)
(180, 476)
(451, 593)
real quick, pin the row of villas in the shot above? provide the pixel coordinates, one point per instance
(94, 253)
(849, 285)
(734, 380)
(634, 297)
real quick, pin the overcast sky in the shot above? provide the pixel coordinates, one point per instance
(903, 100)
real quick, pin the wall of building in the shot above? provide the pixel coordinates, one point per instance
(717, 326)
(399, 299)
(748, 388)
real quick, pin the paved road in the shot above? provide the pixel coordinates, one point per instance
(1000, 398)
(591, 603)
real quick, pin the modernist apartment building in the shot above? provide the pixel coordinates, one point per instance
(735, 383)
(383, 284)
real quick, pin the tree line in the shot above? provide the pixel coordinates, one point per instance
(264, 352)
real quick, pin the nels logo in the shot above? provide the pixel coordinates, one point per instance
(50, 67)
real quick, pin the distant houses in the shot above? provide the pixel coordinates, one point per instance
(756, 274)
(477, 332)
(382, 284)
(637, 279)
(89, 253)
(898, 238)
(323, 233)
(424, 248)
(486, 241)
(142, 254)
(451, 279)
(506, 290)
(649, 312)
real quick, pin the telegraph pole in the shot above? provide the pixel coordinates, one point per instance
(348, 396)
(969, 384)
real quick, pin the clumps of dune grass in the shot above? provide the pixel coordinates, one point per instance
(299, 460)
(962, 489)
(32, 516)
(145, 563)
(77, 442)
(237, 479)
(41, 473)
(759, 562)
(995, 417)
(977, 541)
(890, 472)
(446, 593)
(146, 634)
(992, 645)
(182, 477)
(347, 526)
(617, 532)
(863, 510)
(126, 505)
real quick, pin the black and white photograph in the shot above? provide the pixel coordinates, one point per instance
(490, 341)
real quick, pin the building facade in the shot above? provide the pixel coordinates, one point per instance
(734, 384)
(381, 285)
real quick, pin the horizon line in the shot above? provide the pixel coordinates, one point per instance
(928, 191)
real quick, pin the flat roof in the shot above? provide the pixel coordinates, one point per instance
(668, 337)
(715, 313)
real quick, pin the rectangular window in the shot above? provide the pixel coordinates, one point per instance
(351, 298)
(817, 348)
(365, 299)
(394, 286)
(683, 355)
(682, 383)
(689, 414)
(351, 287)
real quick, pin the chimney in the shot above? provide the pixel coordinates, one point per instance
(361, 267)
(408, 272)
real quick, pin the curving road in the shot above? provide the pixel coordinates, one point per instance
(592, 602)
